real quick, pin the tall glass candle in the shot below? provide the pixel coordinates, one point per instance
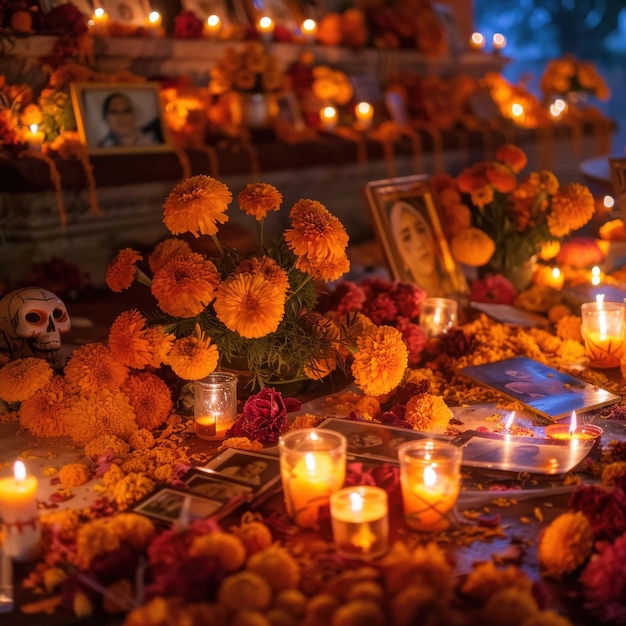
(602, 328)
(430, 477)
(438, 315)
(360, 521)
(312, 468)
(19, 514)
(215, 405)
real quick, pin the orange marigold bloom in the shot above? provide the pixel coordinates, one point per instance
(121, 271)
(472, 178)
(501, 177)
(326, 363)
(544, 180)
(250, 305)
(196, 205)
(512, 156)
(92, 367)
(151, 399)
(193, 357)
(257, 199)
(42, 413)
(324, 269)
(380, 361)
(572, 208)
(167, 250)
(22, 378)
(127, 340)
(185, 285)
(103, 412)
(160, 344)
(482, 196)
(266, 267)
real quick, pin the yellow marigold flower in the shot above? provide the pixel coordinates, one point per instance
(226, 548)
(254, 534)
(121, 271)
(160, 344)
(380, 361)
(131, 488)
(482, 196)
(94, 538)
(328, 269)
(141, 439)
(569, 327)
(277, 566)
(113, 476)
(509, 606)
(258, 199)
(245, 590)
(128, 342)
(428, 412)
(133, 529)
(74, 475)
(266, 267)
(566, 544)
(326, 362)
(557, 312)
(101, 412)
(513, 156)
(572, 207)
(42, 413)
(250, 305)
(107, 443)
(241, 443)
(486, 578)
(549, 249)
(612, 471)
(150, 398)
(92, 367)
(185, 285)
(544, 180)
(196, 205)
(501, 177)
(166, 251)
(472, 246)
(572, 351)
(22, 378)
(193, 357)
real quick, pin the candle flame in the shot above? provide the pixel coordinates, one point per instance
(99, 12)
(309, 461)
(517, 109)
(478, 40)
(329, 113)
(313, 436)
(608, 201)
(34, 128)
(309, 25)
(213, 20)
(499, 41)
(154, 17)
(364, 108)
(601, 317)
(19, 470)
(356, 502)
(265, 22)
(572, 424)
(556, 273)
(509, 421)
(430, 476)
(595, 277)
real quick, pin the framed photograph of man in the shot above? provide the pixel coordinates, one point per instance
(168, 504)
(260, 471)
(407, 224)
(120, 117)
(214, 487)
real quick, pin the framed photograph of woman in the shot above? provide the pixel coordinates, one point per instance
(407, 224)
(129, 12)
(120, 117)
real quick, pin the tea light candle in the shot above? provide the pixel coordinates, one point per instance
(498, 41)
(430, 481)
(312, 468)
(558, 108)
(328, 118)
(438, 315)
(265, 28)
(364, 113)
(555, 278)
(19, 514)
(309, 30)
(99, 17)
(213, 26)
(596, 275)
(360, 521)
(518, 112)
(35, 138)
(574, 432)
(215, 405)
(477, 41)
(602, 328)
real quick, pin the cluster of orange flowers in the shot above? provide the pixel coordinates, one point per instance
(568, 74)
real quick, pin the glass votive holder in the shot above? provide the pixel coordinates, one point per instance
(602, 327)
(214, 405)
(430, 478)
(312, 467)
(438, 315)
(360, 521)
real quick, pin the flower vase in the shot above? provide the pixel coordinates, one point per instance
(519, 274)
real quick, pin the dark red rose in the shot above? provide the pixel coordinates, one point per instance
(188, 26)
(604, 508)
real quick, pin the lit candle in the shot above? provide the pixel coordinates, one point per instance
(430, 481)
(477, 41)
(573, 432)
(312, 468)
(154, 23)
(215, 405)
(498, 41)
(608, 202)
(19, 514)
(309, 30)
(266, 29)
(518, 112)
(328, 118)
(602, 328)
(558, 108)
(213, 26)
(364, 113)
(99, 18)
(360, 521)
(35, 138)
(438, 315)
(596, 275)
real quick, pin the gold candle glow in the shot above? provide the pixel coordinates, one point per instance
(477, 41)
(574, 432)
(602, 328)
(328, 118)
(430, 478)
(99, 19)
(215, 405)
(19, 514)
(265, 28)
(364, 113)
(438, 315)
(35, 138)
(360, 521)
(498, 41)
(312, 468)
(309, 30)
(213, 26)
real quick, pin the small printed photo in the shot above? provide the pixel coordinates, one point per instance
(166, 505)
(210, 486)
(130, 12)
(372, 441)
(257, 470)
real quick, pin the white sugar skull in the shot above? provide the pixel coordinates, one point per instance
(32, 321)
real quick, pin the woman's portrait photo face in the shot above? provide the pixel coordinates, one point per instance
(416, 238)
(119, 114)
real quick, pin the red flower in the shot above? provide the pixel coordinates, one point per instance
(408, 298)
(188, 26)
(493, 289)
(414, 337)
(604, 508)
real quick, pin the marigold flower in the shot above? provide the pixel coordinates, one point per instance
(121, 271)
(257, 199)
(74, 475)
(268, 268)
(250, 305)
(141, 439)
(133, 529)
(511, 606)
(566, 544)
(160, 344)
(131, 488)
(513, 156)
(92, 367)
(544, 180)
(380, 361)
(501, 177)
(245, 590)
(150, 398)
(94, 538)
(486, 578)
(428, 413)
(569, 327)
(324, 269)
(482, 196)
(128, 342)
(226, 548)
(196, 205)
(193, 357)
(42, 413)
(472, 247)
(166, 251)
(472, 178)
(22, 378)
(572, 207)
(277, 566)
(185, 285)
(107, 443)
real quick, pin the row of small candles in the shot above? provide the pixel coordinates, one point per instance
(363, 113)
(478, 41)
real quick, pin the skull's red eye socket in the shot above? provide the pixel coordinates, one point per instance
(34, 317)
(59, 315)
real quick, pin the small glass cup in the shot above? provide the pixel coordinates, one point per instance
(430, 477)
(360, 521)
(602, 327)
(438, 315)
(312, 467)
(215, 405)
